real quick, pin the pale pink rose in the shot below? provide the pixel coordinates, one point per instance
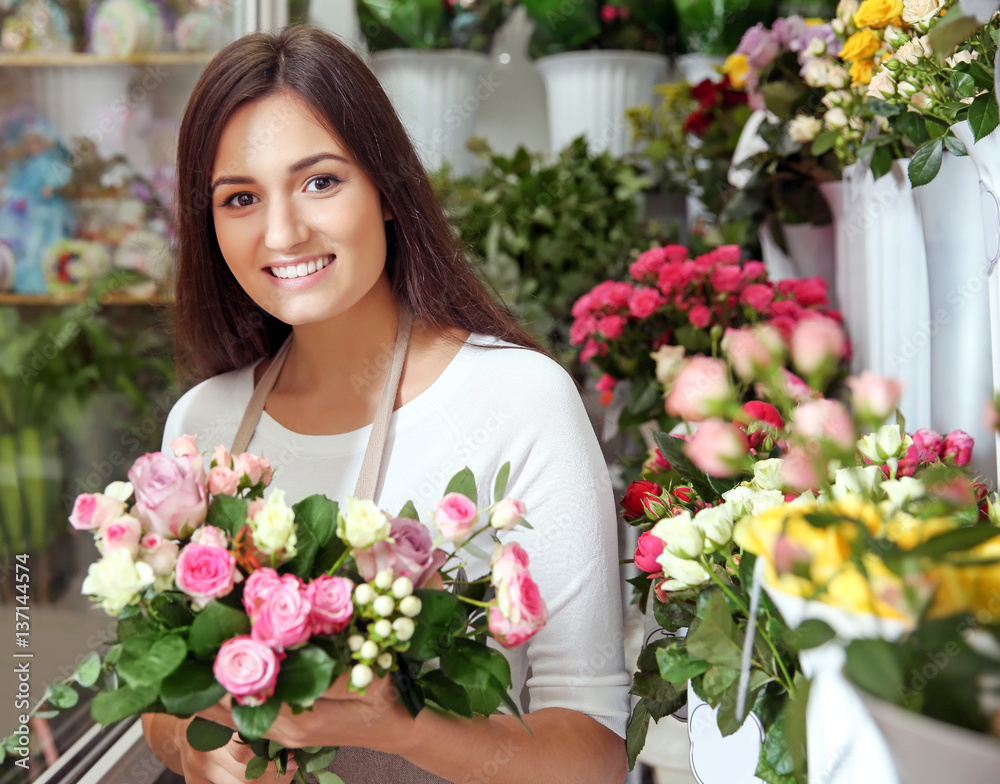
(408, 552)
(253, 467)
(519, 612)
(702, 386)
(797, 389)
(507, 514)
(753, 352)
(875, 397)
(92, 510)
(648, 550)
(121, 532)
(818, 344)
(957, 448)
(825, 419)
(506, 560)
(170, 496)
(257, 586)
(253, 507)
(247, 669)
(718, 448)
(669, 361)
(185, 446)
(281, 618)
(332, 606)
(205, 573)
(455, 515)
(223, 481)
(798, 470)
(210, 536)
(159, 553)
(222, 458)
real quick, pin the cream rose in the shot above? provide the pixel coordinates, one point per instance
(273, 527)
(361, 523)
(116, 580)
(803, 129)
(918, 13)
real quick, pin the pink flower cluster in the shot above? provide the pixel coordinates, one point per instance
(519, 612)
(284, 613)
(931, 447)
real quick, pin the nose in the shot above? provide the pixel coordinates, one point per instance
(285, 227)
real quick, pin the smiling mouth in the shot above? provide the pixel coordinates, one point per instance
(290, 271)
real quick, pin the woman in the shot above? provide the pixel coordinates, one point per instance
(305, 213)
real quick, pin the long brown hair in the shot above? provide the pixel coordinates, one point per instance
(218, 326)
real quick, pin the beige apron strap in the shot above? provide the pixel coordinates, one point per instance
(372, 463)
(256, 405)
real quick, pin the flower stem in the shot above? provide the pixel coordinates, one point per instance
(339, 562)
(467, 600)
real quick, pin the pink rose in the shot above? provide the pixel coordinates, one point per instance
(798, 470)
(253, 507)
(700, 316)
(247, 669)
(957, 448)
(875, 396)
(644, 302)
(331, 602)
(121, 533)
(257, 587)
(583, 306)
(170, 496)
(701, 387)
(810, 291)
(282, 615)
(611, 327)
(210, 536)
(606, 383)
(718, 448)
(755, 270)
(929, 445)
(582, 329)
(519, 612)
(507, 513)
(757, 296)
(506, 560)
(205, 573)
(817, 346)
(253, 467)
(222, 458)
(159, 553)
(92, 510)
(223, 481)
(455, 515)
(647, 552)
(753, 352)
(797, 389)
(185, 446)
(825, 419)
(726, 279)
(408, 552)
(646, 268)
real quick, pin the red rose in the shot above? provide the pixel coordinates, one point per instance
(705, 93)
(637, 496)
(698, 123)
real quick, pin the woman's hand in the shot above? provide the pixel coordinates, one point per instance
(227, 765)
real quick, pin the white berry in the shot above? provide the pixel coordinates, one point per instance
(410, 606)
(384, 605)
(361, 676)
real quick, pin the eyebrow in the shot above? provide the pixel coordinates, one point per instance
(295, 168)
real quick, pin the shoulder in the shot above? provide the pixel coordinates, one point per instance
(206, 409)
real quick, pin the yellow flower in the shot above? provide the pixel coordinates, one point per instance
(861, 72)
(737, 68)
(878, 13)
(908, 531)
(880, 593)
(860, 46)
(815, 21)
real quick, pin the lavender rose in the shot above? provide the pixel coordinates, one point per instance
(409, 552)
(171, 497)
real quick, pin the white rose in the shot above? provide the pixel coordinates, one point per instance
(274, 526)
(120, 491)
(838, 77)
(680, 535)
(816, 73)
(507, 514)
(901, 490)
(716, 523)
(836, 98)
(803, 129)
(816, 48)
(836, 117)
(906, 89)
(882, 85)
(921, 100)
(766, 499)
(846, 9)
(767, 474)
(886, 443)
(740, 500)
(917, 13)
(855, 481)
(680, 572)
(116, 580)
(669, 360)
(965, 56)
(362, 524)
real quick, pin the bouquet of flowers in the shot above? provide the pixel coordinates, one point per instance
(219, 590)
(670, 323)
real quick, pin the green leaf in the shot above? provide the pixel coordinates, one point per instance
(717, 681)
(445, 693)
(984, 115)
(673, 450)
(809, 634)
(954, 145)
(913, 126)
(163, 657)
(136, 626)
(316, 524)
(326, 777)
(228, 513)
(874, 666)
(169, 608)
(214, 625)
(441, 617)
(963, 84)
(463, 482)
(823, 142)
(255, 768)
(62, 696)
(678, 666)
(305, 674)
(111, 706)
(652, 687)
(205, 735)
(409, 512)
(950, 32)
(635, 734)
(714, 639)
(500, 486)
(959, 539)
(471, 664)
(926, 163)
(89, 670)
(191, 689)
(254, 722)
(315, 760)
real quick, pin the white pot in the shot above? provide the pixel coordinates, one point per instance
(811, 253)
(779, 265)
(961, 364)
(985, 154)
(881, 282)
(697, 67)
(437, 95)
(589, 91)
(722, 760)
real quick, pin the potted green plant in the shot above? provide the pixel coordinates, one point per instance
(432, 58)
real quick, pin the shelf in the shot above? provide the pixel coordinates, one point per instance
(43, 300)
(84, 58)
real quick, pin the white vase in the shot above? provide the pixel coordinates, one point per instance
(697, 67)
(779, 265)
(722, 760)
(812, 251)
(437, 95)
(589, 91)
(961, 362)
(881, 282)
(985, 154)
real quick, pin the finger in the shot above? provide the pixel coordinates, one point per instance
(219, 715)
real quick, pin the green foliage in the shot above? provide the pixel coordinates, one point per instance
(205, 735)
(215, 624)
(562, 26)
(316, 524)
(431, 24)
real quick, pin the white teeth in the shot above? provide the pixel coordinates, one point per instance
(301, 270)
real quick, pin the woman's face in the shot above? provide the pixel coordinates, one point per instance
(301, 227)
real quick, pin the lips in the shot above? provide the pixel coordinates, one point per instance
(302, 269)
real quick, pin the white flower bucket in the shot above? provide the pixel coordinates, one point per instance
(437, 95)
(811, 253)
(779, 265)
(722, 760)
(985, 154)
(589, 91)
(958, 273)
(697, 67)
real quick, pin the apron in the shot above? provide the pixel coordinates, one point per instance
(355, 764)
